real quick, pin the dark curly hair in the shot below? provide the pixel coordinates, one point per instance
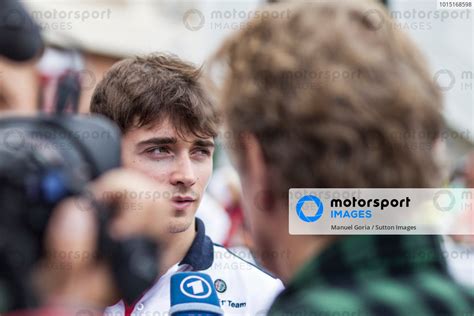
(139, 91)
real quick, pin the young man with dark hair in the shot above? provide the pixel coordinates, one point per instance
(169, 126)
(335, 96)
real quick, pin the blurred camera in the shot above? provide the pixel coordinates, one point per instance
(43, 160)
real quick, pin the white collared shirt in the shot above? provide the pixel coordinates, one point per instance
(243, 288)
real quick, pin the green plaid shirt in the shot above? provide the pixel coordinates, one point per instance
(376, 275)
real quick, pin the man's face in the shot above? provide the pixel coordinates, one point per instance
(254, 181)
(181, 167)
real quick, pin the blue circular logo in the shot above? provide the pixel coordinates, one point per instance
(309, 199)
(195, 286)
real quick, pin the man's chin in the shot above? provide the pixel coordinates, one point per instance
(179, 224)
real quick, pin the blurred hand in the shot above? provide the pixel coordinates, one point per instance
(136, 211)
(71, 273)
(465, 223)
(467, 219)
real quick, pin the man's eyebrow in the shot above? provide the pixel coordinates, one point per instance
(204, 143)
(158, 141)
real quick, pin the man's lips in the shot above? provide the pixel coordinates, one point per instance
(181, 198)
(182, 202)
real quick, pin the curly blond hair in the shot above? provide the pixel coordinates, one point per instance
(336, 96)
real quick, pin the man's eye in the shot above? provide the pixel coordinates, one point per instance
(158, 150)
(203, 151)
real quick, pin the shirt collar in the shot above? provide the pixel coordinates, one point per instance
(200, 255)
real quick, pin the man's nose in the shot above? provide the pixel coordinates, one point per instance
(183, 173)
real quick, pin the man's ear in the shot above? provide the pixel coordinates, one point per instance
(257, 171)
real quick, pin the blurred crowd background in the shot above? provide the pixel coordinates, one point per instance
(86, 37)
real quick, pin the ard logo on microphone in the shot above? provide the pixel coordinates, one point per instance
(191, 293)
(196, 287)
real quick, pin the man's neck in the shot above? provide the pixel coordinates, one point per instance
(176, 247)
(295, 251)
(303, 249)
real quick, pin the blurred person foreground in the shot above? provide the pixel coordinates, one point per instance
(341, 133)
